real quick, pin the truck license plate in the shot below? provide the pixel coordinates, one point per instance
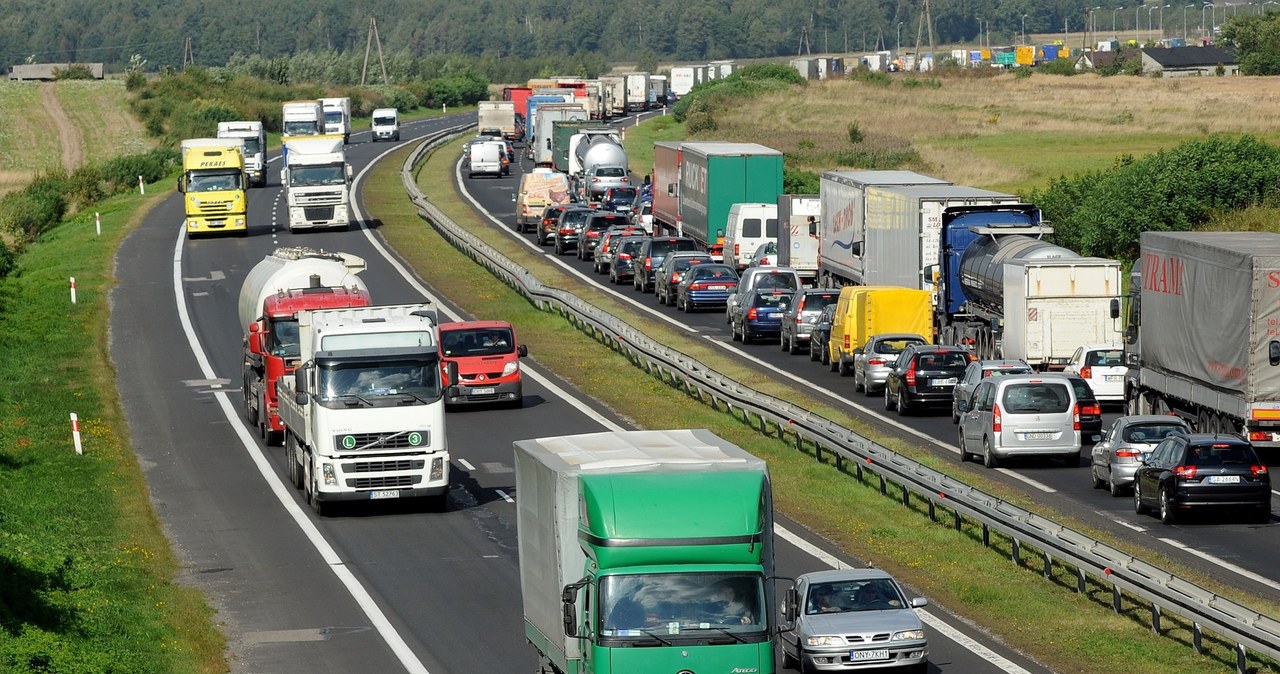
(863, 656)
(388, 493)
(488, 391)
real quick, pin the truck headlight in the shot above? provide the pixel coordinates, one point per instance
(908, 635)
(239, 221)
(437, 468)
(511, 367)
(329, 478)
(825, 641)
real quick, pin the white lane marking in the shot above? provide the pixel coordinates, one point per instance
(1222, 563)
(466, 464)
(737, 353)
(1130, 525)
(362, 597)
(505, 496)
(933, 621)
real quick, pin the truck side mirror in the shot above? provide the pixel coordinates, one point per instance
(255, 337)
(813, 228)
(569, 609)
(300, 383)
(348, 171)
(1115, 309)
(522, 351)
(182, 184)
(789, 605)
(1273, 353)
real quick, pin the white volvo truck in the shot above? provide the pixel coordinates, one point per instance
(317, 179)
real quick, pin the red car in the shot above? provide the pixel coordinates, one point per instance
(488, 359)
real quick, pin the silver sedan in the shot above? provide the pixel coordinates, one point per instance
(852, 620)
(1117, 458)
(872, 362)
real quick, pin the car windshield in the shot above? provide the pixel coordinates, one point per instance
(773, 299)
(877, 594)
(610, 172)
(1151, 433)
(1036, 398)
(717, 271)
(605, 222)
(895, 346)
(384, 121)
(664, 606)
(477, 342)
(683, 263)
(575, 217)
(1082, 388)
(622, 196)
(1110, 358)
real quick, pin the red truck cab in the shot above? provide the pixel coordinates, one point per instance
(274, 340)
(488, 359)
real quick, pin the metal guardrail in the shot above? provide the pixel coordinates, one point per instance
(1162, 591)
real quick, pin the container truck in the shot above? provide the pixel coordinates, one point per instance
(615, 95)
(637, 91)
(302, 118)
(657, 91)
(499, 115)
(364, 411)
(594, 99)
(531, 113)
(714, 176)
(519, 97)
(337, 117)
(548, 115)
(1201, 331)
(212, 186)
(276, 289)
(645, 551)
(255, 148)
(683, 79)
(316, 179)
(667, 157)
(798, 234)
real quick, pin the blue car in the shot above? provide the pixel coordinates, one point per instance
(706, 285)
(760, 314)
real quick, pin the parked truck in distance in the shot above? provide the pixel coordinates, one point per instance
(548, 114)
(713, 177)
(213, 186)
(364, 411)
(615, 95)
(637, 85)
(255, 148)
(316, 179)
(500, 115)
(1202, 332)
(639, 549)
(337, 117)
(283, 283)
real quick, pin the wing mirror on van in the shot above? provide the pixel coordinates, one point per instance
(962, 405)
(522, 351)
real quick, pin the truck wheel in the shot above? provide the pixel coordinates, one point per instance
(291, 457)
(313, 498)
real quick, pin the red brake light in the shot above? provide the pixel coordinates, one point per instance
(648, 264)
(751, 315)
(876, 361)
(1086, 372)
(1185, 472)
(624, 256)
(1128, 453)
(1090, 409)
(1075, 419)
(1259, 435)
(911, 374)
(1258, 471)
(627, 180)
(675, 278)
(997, 424)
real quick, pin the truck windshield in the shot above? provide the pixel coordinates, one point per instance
(307, 176)
(333, 116)
(634, 608)
(378, 383)
(251, 146)
(301, 128)
(282, 340)
(213, 181)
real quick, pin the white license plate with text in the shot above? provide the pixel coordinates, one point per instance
(863, 656)
(1224, 479)
(388, 493)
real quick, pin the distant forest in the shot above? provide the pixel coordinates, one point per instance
(616, 31)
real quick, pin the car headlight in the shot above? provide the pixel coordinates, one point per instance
(908, 635)
(825, 641)
(511, 367)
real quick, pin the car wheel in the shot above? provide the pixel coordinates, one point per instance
(989, 455)
(559, 249)
(845, 369)
(902, 404)
(813, 351)
(791, 346)
(826, 360)
(955, 414)
(964, 452)
(888, 401)
(1113, 488)
(747, 335)
(1073, 460)
(784, 344)
(733, 332)
(1167, 513)
(1263, 515)
(1138, 506)
(1098, 483)
(788, 660)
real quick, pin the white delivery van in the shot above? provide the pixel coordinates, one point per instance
(385, 124)
(748, 226)
(486, 159)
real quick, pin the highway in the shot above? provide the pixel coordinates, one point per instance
(379, 589)
(1232, 550)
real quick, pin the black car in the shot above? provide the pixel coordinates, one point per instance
(567, 230)
(654, 252)
(1202, 471)
(595, 228)
(820, 334)
(924, 376)
(619, 199)
(1090, 409)
(622, 266)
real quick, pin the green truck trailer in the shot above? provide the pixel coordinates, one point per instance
(645, 551)
(714, 176)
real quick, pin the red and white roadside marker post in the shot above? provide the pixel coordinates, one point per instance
(75, 433)
(73, 290)
(97, 222)
(142, 186)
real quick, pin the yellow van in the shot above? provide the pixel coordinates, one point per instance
(539, 188)
(864, 311)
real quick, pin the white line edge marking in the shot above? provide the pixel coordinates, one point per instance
(933, 621)
(466, 464)
(505, 496)
(1222, 563)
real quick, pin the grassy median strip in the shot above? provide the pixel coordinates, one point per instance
(88, 574)
(1047, 620)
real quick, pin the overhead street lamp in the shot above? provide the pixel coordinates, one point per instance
(900, 35)
(1137, 23)
(1184, 21)
(1162, 7)
(1024, 29)
(1150, 26)
(1093, 19)
(1203, 7)
(1113, 20)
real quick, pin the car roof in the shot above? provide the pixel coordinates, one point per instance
(837, 575)
(1006, 362)
(897, 335)
(938, 348)
(1103, 347)
(1214, 438)
(1134, 419)
(472, 325)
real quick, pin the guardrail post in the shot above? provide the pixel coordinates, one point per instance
(1080, 580)
(1017, 552)
(986, 535)
(933, 515)
(1048, 565)
(956, 519)
(1155, 618)
(840, 462)
(1242, 657)
(906, 496)
(1197, 638)
(884, 485)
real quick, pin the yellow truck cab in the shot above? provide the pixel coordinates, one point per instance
(213, 184)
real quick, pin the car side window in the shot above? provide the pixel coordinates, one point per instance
(979, 394)
(1075, 357)
(970, 373)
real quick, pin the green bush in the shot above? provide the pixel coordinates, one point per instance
(796, 181)
(921, 83)
(855, 133)
(74, 71)
(1104, 212)
(34, 210)
(1022, 72)
(1062, 66)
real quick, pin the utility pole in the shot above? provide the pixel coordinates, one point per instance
(373, 35)
(188, 56)
(926, 19)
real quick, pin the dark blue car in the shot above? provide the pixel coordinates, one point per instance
(706, 285)
(760, 315)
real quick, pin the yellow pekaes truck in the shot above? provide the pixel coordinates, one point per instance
(212, 184)
(865, 311)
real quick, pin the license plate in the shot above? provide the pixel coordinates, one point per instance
(1038, 436)
(863, 656)
(389, 493)
(719, 287)
(1112, 377)
(951, 381)
(482, 391)
(1224, 479)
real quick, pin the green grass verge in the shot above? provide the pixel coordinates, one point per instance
(1046, 619)
(640, 139)
(88, 574)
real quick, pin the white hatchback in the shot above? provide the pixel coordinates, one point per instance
(1102, 365)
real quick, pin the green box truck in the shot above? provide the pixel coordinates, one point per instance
(715, 176)
(645, 551)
